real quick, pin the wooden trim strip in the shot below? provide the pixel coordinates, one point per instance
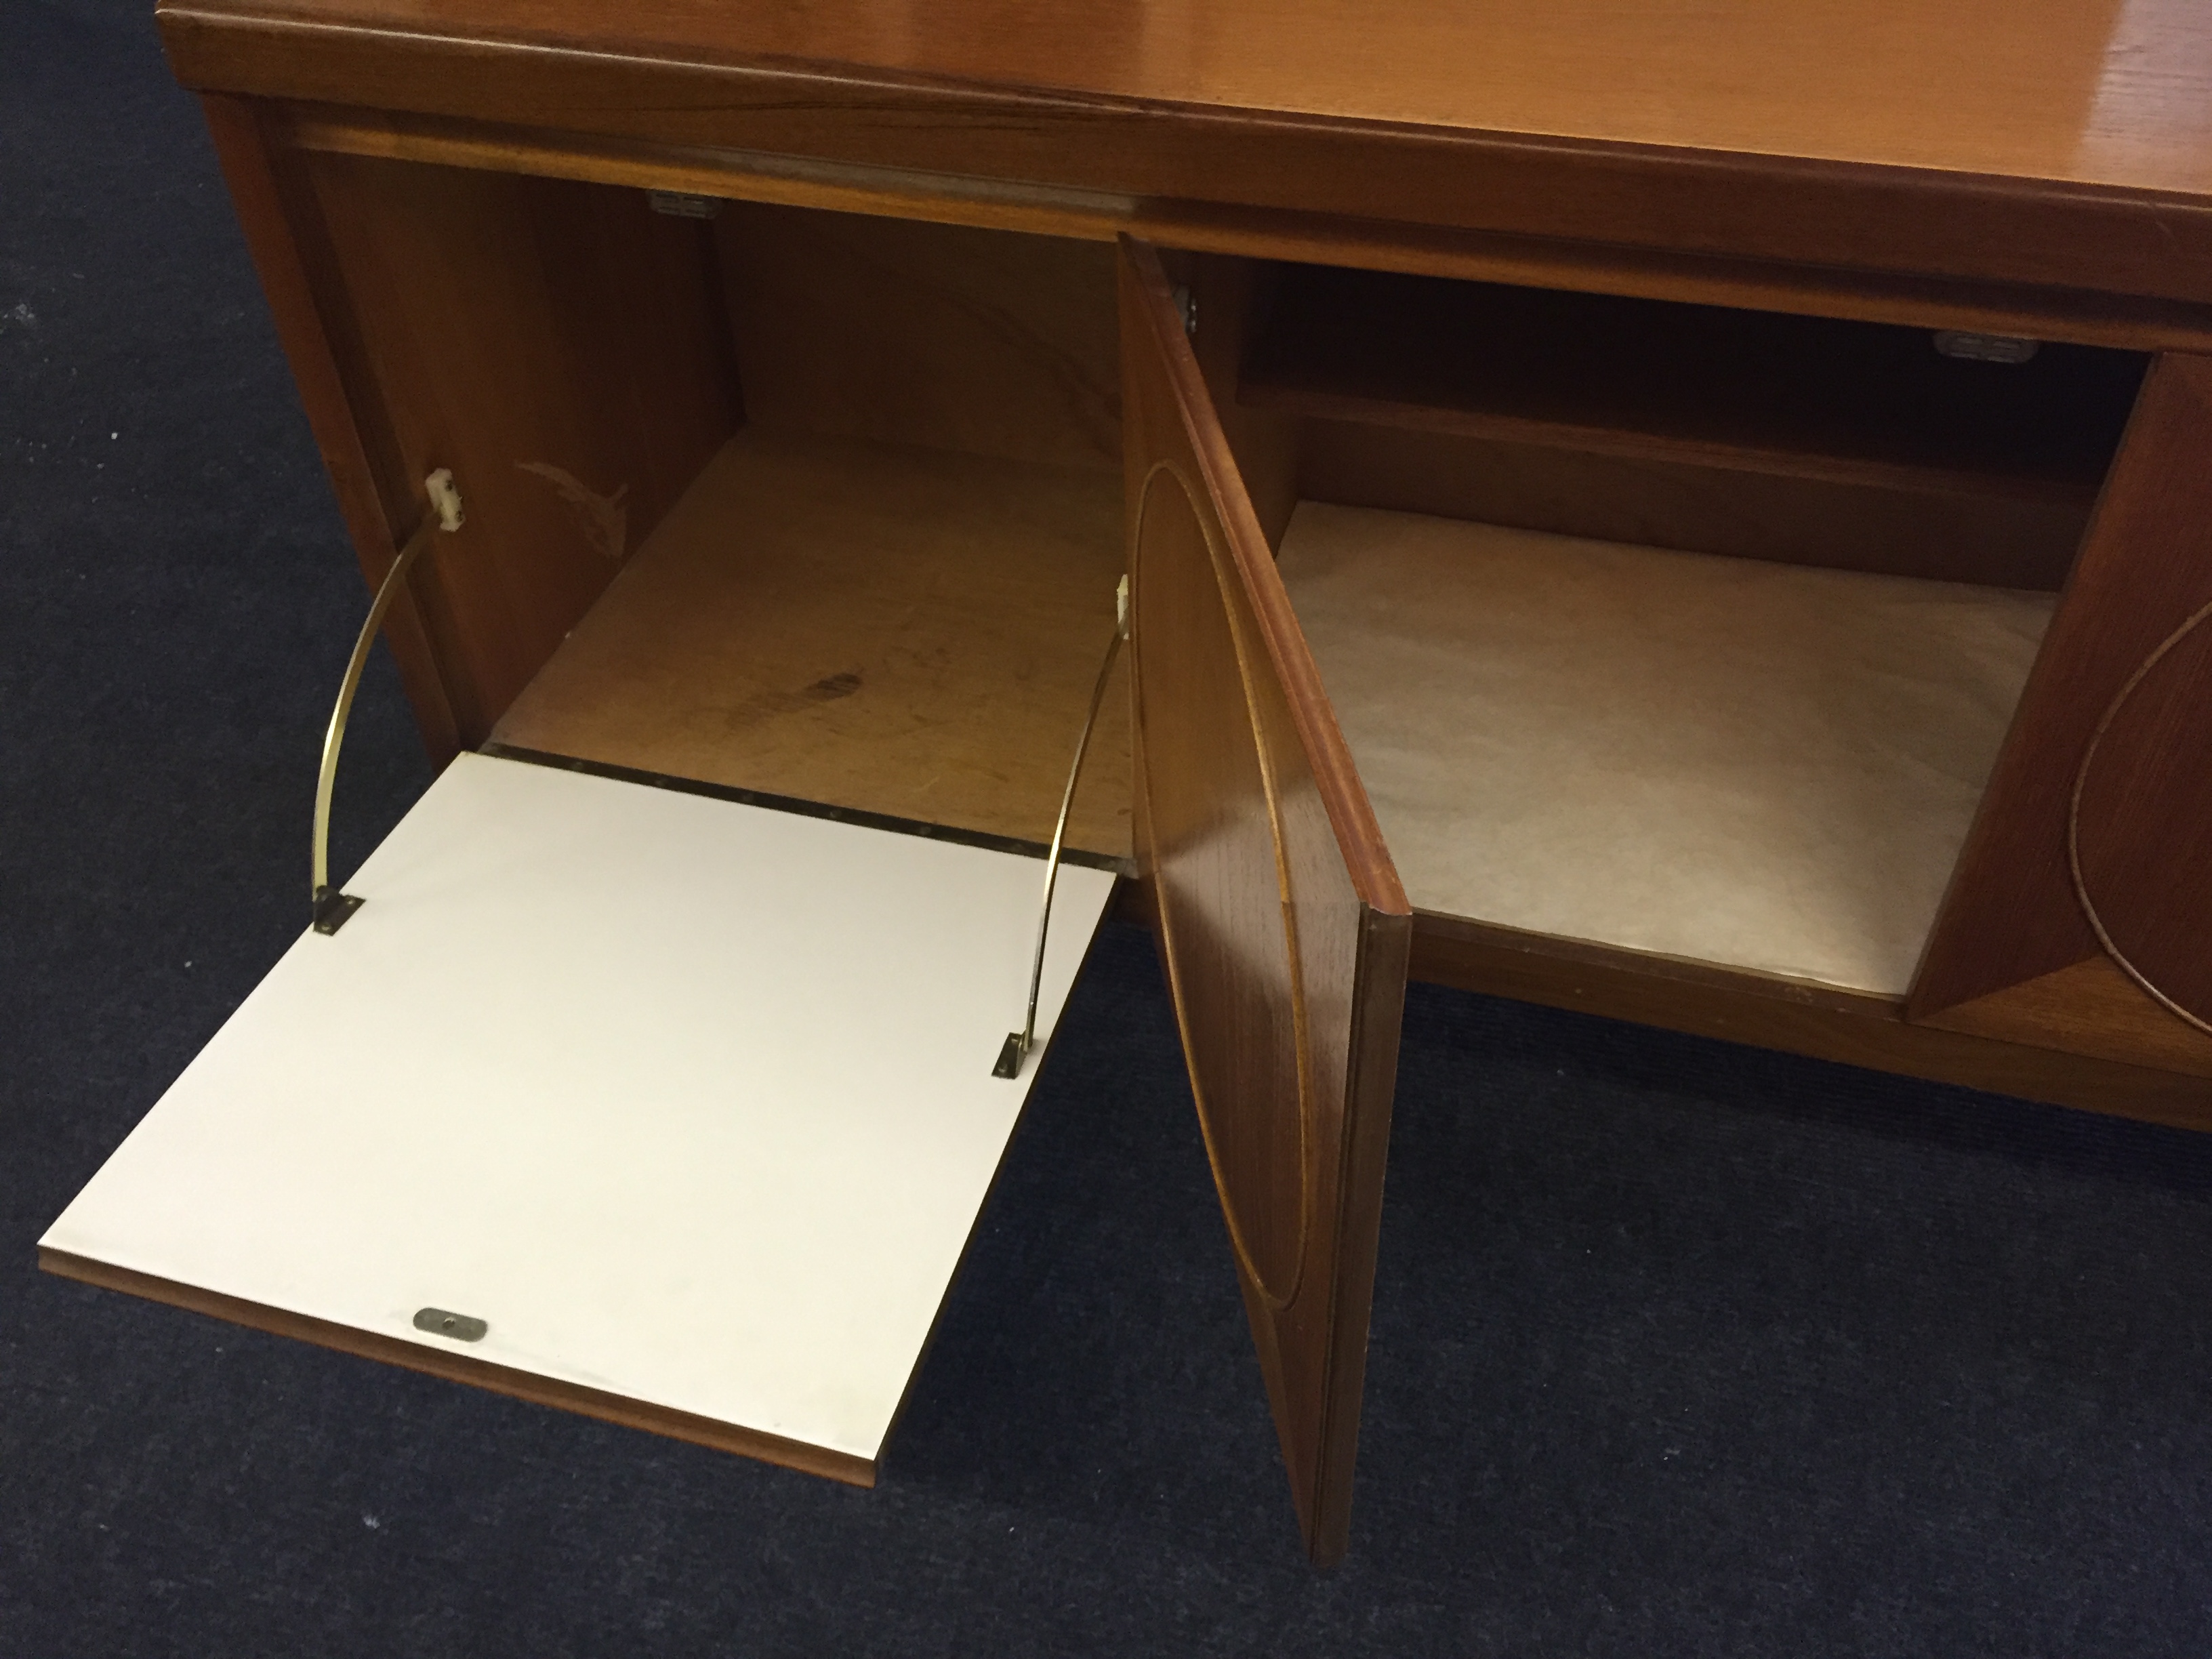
(461, 1368)
(2072, 315)
(1627, 443)
(1378, 999)
(307, 302)
(1767, 1011)
(1435, 926)
(1851, 216)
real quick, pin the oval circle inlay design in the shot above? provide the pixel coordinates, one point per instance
(2140, 833)
(1227, 930)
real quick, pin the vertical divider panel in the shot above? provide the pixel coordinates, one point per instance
(2064, 859)
(559, 346)
(299, 274)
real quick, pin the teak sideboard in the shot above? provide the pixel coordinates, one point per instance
(1701, 516)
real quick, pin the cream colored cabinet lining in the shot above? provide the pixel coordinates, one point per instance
(1767, 766)
(689, 1102)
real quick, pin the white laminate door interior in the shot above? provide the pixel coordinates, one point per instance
(688, 1102)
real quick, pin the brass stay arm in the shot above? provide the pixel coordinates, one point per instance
(332, 907)
(1018, 1043)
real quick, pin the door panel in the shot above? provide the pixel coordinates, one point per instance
(2089, 848)
(669, 1109)
(1282, 922)
(2142, 824)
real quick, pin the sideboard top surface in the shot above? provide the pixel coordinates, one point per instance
(2114, 92)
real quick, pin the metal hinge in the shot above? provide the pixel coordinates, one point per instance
(1984, 348)
(680, 204)
(1186, 305)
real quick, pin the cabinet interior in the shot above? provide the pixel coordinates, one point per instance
(887, 580)
(1684, 630)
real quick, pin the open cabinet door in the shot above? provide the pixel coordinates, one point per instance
(669, 1109)
(1282, 922)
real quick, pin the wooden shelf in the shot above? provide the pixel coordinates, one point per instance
(1810, 397)
(898, 630)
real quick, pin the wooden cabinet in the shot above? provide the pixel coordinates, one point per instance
(1680, 569)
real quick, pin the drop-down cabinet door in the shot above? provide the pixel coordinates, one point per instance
(1281, 919)
(669, 1109)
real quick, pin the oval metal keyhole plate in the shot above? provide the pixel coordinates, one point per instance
(459, 1327)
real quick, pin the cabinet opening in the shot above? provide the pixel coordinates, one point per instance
(718, 1082)
(1813, 440)
(1666, 628)
(889, 589)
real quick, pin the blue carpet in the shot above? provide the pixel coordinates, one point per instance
(1677, 1349)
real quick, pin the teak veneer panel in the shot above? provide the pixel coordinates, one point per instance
(561, 350)
(1282, 924)
(2012, 915)
(893, 187)
(2090, 1008)
(2057, 142)
(2040, 89)
(1991, 540)
(272, 194)
(904, 631)
(2142, 844)
(903, 331)
(1843, 402)
(1767, 1012)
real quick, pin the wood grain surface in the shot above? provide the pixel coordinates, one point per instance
(1842, 402)
(2091, 1008)
(1231, 297)
(2042, 1057)
(274, 198)
(2088, 91)
(2059, 143)
(2012, 915)
(2142, 822)
(894, 187)
(560, 349)
(914, 333)
(907, 631)
(1991, 540)
(1282, 922)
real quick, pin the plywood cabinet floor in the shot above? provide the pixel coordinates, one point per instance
(901, 630)
(689, 1102)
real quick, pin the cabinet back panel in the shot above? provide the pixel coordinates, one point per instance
(986, 341)
(1753, 391)
(561, 348)
(1997, 541)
